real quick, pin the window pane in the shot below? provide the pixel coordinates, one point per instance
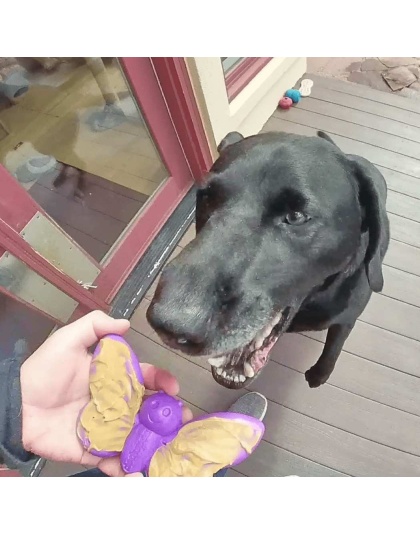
(229, 63)
(72, 135)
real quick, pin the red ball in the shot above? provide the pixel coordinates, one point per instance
(286, 103)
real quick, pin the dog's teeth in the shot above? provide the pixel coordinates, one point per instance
(219, 370)
(217, 361)
(242, 378)
(276, 319)
(248, 370)
(236, 379)
(224, 374)
(258, 343)
(268, 330)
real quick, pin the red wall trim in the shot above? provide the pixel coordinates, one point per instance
(240, 76)
(179, 94)
(16, 206)
(5, 472)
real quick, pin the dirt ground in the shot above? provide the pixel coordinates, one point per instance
(399, 75)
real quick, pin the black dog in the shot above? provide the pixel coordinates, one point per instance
(291, 234)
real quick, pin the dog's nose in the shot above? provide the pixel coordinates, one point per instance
(174, 326)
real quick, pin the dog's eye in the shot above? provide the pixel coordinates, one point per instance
(296, 218)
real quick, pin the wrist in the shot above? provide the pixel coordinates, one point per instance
(11, 443)
(26, 441)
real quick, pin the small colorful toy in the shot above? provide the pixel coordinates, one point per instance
(305, 87)
(293, 94)
(150, 436)
(286, 103)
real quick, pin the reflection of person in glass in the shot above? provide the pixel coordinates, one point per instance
(40, 157)
(29, 165)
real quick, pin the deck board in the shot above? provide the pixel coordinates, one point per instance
(366, 93)
(377, 123)
(366, 420)
(404, 257)
(353, 373)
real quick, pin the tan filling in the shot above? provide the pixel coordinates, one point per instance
(116, 396)
(204, 447)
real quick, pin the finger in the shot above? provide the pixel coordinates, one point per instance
(109, 466)
(88, 330)
(159, 379)
(112, 467)
(187, 414)
(134, 475)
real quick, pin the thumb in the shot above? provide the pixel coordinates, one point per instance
(89, 329)
(134, 475)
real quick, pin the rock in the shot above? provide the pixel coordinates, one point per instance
(371, 79)
(391, 62)
(398, 78)
(415, 70)
(355, 66)
(372, 63)
(338, 65)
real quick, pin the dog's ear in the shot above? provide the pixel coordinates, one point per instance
(230, 139)
(372, 198)
(325, 136)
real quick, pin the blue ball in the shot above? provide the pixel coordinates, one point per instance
(293, 94)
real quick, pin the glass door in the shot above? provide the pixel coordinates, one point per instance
(91, 167)
(75, 133)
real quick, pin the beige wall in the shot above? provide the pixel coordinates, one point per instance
(250, 110)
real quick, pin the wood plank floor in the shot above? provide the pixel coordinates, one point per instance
(96, 221)
(366, 420)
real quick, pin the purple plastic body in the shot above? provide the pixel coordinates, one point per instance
(159, 421)
(136, 366)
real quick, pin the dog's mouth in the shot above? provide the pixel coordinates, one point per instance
(236, 369)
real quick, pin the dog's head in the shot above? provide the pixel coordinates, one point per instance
(277, 217)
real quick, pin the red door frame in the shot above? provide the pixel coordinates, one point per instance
(179, 93)
(164, 92)
(17, 208)
(12, 241)
(242, 74)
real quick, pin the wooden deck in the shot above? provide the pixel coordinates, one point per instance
(366, 420)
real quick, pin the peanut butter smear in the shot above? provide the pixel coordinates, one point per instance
(203, 447)
(116, 396)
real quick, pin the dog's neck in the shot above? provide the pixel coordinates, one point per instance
(354, 264)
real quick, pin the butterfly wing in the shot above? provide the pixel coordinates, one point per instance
(206, 445)
(116, 387)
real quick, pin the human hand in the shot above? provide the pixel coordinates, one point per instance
(55, 387)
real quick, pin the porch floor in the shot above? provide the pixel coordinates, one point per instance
(366, 420)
